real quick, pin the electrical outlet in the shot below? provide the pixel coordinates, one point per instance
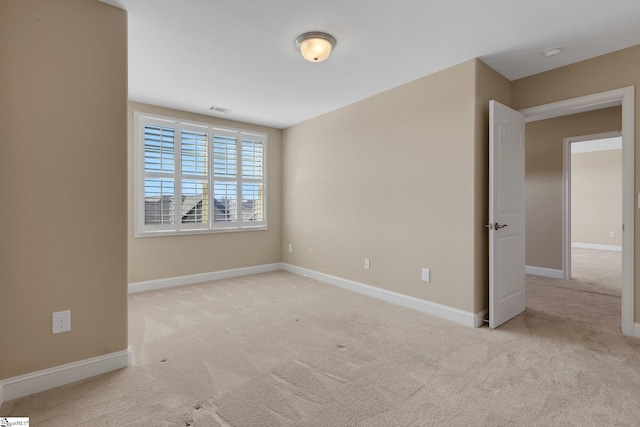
(426, 275)
(612, 234)
(61, 321)
(366, 264)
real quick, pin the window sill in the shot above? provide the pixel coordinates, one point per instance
(172, 233)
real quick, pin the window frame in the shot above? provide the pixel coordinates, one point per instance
(141, 119)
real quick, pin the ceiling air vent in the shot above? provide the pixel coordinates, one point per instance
(219, 109)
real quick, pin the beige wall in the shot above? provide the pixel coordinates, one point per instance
(612, 71)
(543, 179)
(596, 197)
(63, 103)
(390, 178)
(163, 257)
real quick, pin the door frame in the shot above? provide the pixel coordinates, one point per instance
(566, 193)
(618, 97)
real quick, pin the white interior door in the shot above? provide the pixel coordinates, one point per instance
(506, 214)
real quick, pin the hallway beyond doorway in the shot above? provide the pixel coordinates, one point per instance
(591, 296)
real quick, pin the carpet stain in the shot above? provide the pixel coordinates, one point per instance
(163, 360)
(198, 406)
(342, 347)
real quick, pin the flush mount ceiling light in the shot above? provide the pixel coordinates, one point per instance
(315, 46)
(553, 52)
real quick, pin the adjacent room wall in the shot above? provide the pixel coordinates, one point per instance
(607, 72)
(389, 178)
(63, 103)
(596, 197)
(166, 257)
(544, 179)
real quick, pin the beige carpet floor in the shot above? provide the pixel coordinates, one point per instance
(278, 349)
(595, 271)
(591, 296)
(600, 268)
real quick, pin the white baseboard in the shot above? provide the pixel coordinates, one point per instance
(462, 317)
(150, 285)
(544, 272)
(459, 316)
(596, 246)
(24, 385)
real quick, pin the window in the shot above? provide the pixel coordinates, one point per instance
(197, 178)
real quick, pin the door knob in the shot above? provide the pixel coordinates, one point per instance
(498, 226)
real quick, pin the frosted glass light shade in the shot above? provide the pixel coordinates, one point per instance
(315, 46)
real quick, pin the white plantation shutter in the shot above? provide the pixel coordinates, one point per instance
(159, 152)
(252, 180)
(195, 178)
(159, 201)
(159, 182)
(194, 154)
(225, 177)
(194, 157)
(238, 176)
(225, 156)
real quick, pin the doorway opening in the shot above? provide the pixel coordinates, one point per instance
(625, 98)
(588, 288)
(592, 209)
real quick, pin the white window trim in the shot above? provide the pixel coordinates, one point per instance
(142, 230)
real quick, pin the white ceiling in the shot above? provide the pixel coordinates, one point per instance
(239, 54)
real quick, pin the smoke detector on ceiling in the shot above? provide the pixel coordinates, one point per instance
(219, 109)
